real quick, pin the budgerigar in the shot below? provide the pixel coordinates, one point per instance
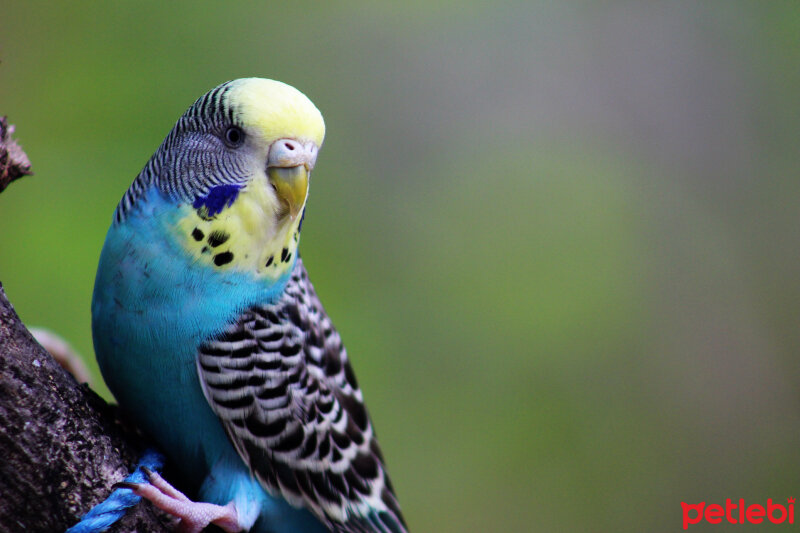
(211, 337)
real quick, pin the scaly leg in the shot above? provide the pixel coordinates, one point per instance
(194, 516)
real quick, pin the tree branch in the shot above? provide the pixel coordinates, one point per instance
(62, 446)
(13, 161)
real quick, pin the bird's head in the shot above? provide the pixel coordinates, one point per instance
(275, 129)
(237, 166)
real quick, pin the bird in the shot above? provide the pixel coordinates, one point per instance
(212, 339)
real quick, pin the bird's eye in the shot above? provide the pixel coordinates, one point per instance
(234, 136)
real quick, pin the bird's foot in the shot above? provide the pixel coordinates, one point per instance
(194, 516)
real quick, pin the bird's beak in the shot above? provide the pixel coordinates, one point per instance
(291, 184)
(288, 167)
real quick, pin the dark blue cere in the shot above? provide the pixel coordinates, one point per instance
(217, 199)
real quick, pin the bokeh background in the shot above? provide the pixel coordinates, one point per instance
(560, 239)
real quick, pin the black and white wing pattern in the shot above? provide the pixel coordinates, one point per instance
(280, 381)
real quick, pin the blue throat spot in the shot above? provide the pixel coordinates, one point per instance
(217, 199)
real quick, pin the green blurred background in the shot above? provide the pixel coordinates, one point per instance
(560, 239)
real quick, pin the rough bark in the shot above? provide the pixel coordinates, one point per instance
(61, 445)
(13, 161)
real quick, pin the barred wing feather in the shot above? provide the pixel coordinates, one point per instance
(280, 381)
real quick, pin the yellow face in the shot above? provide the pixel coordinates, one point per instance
(244, 237)
(257, 231)
(273, 110)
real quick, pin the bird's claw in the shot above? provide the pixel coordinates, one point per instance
(193, 516)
